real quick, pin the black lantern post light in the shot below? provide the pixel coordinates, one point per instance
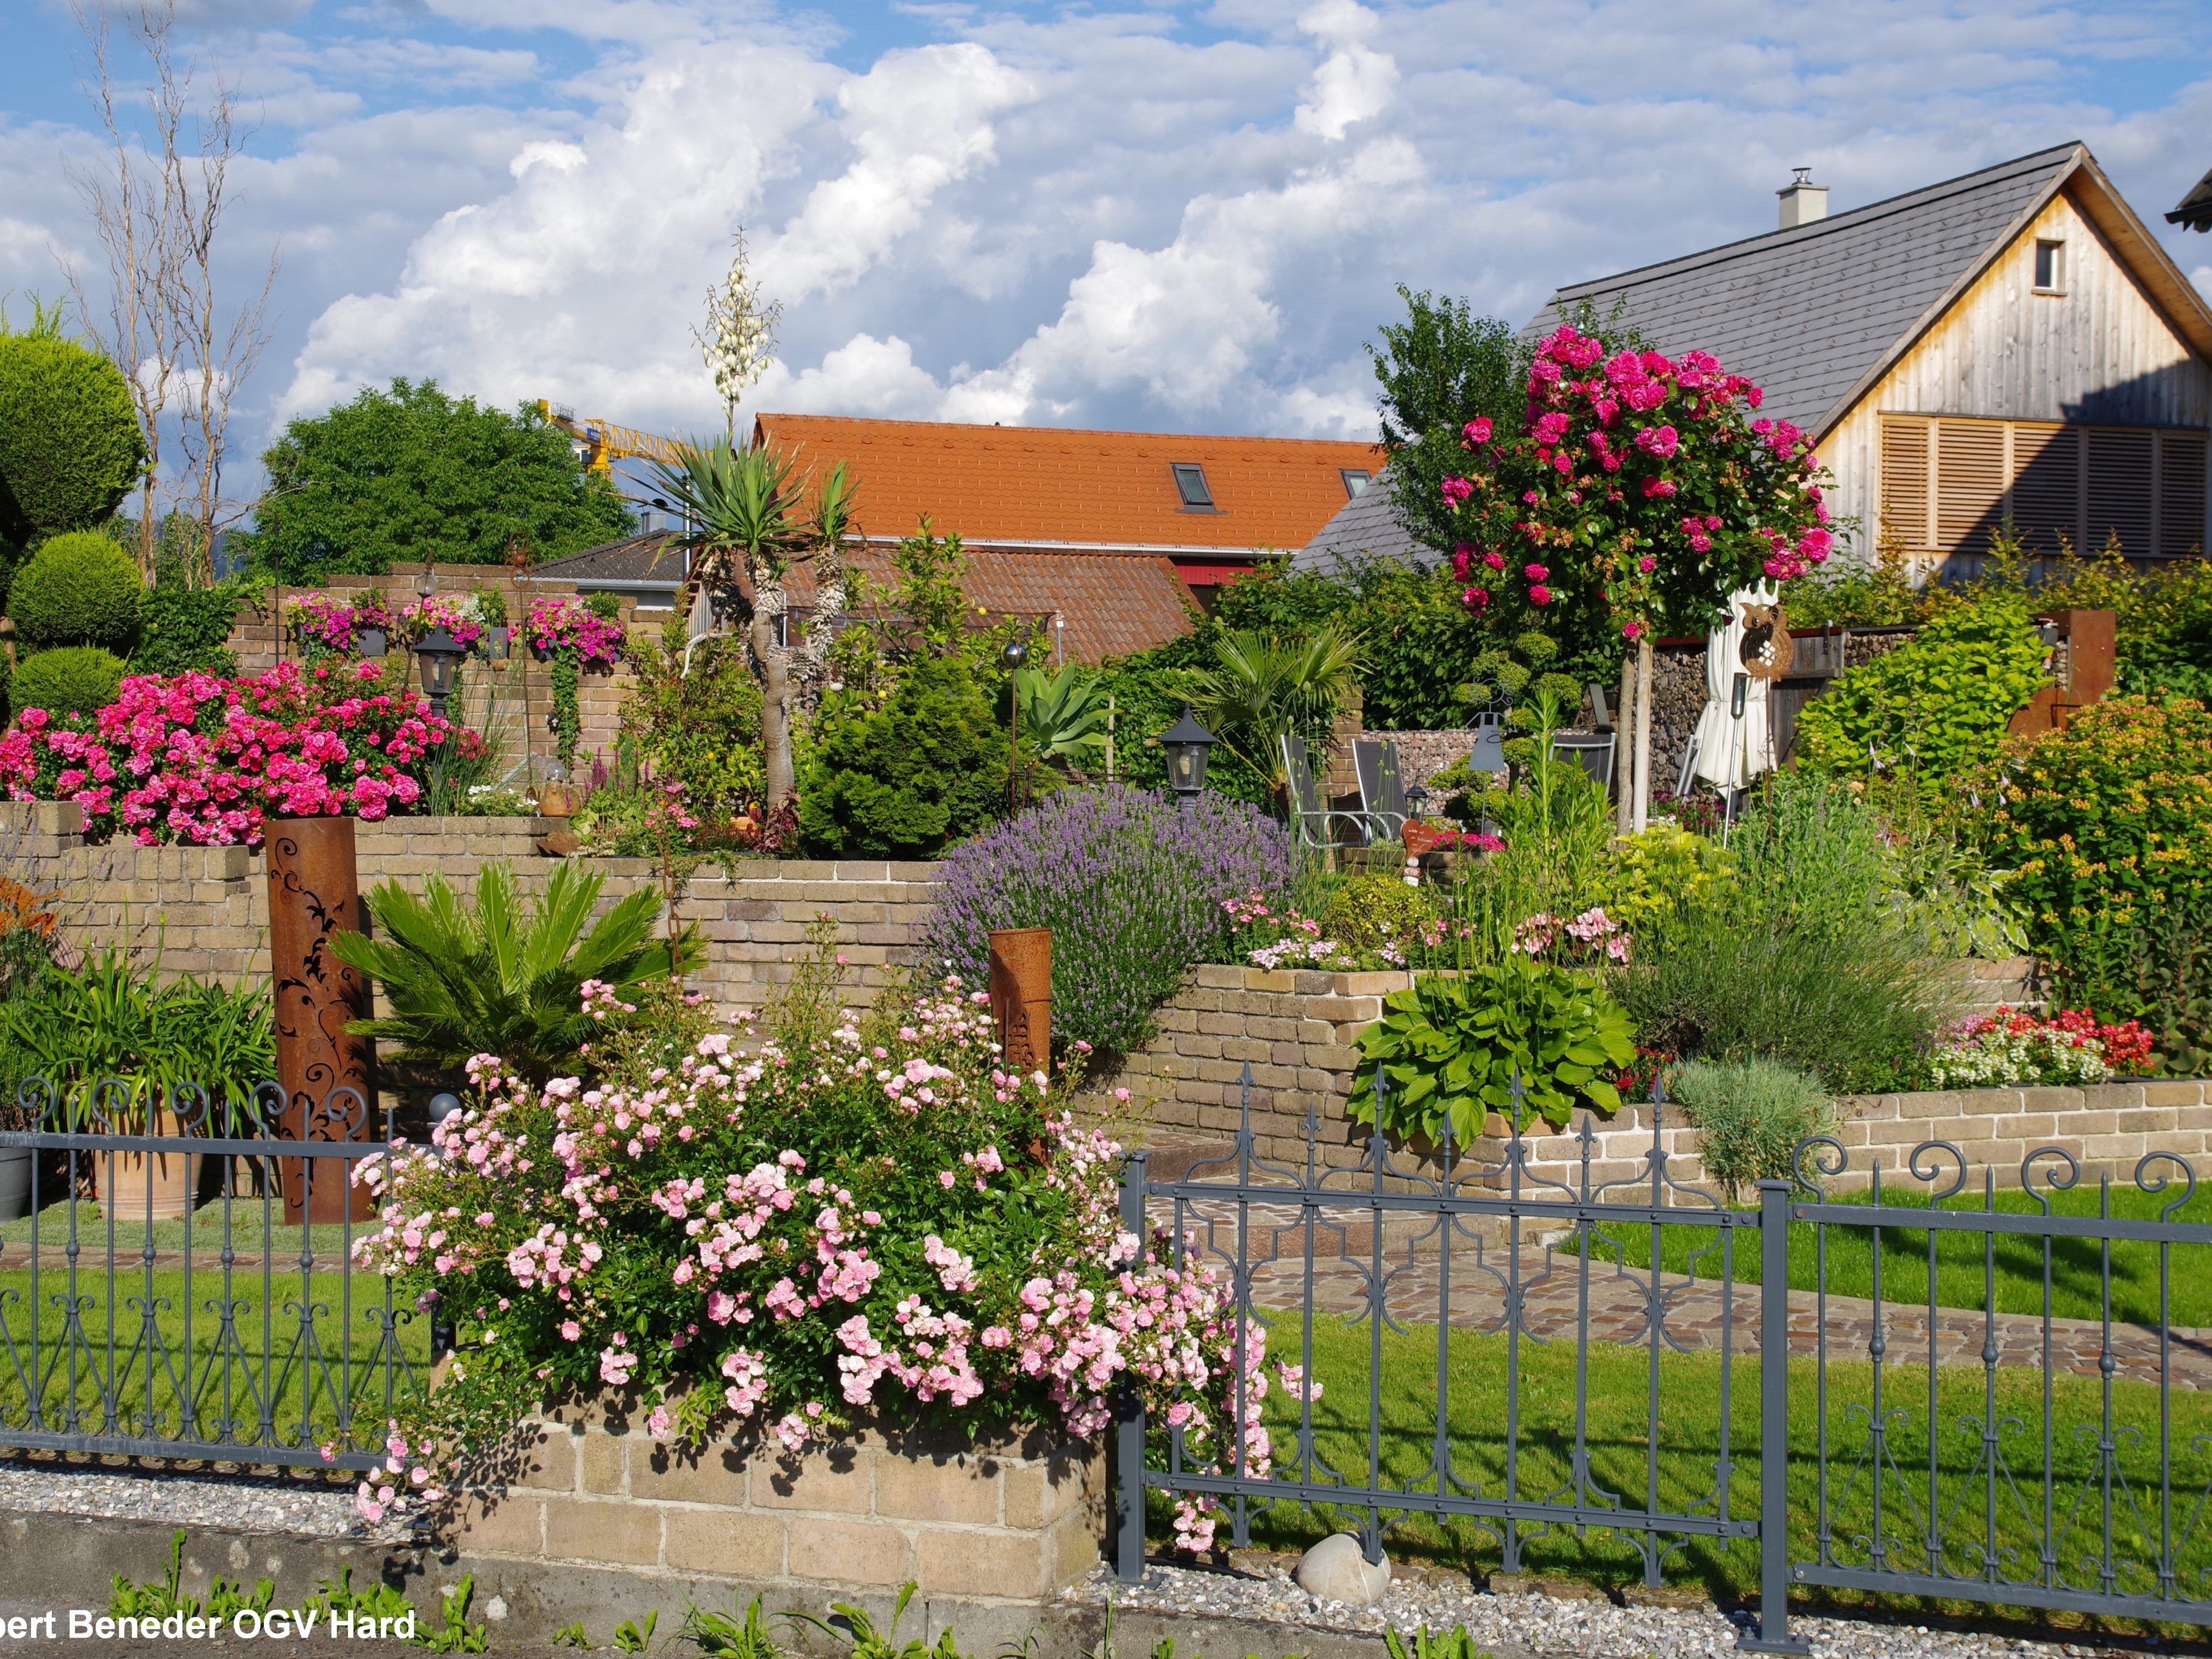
(1417, 802)
(1188, 745)
(437, 654)
(1014, 656)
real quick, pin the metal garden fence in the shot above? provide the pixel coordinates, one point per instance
(166, 1295)
(1986, 1397)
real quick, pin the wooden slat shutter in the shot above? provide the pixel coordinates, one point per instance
(1970, 483)
(2181, 492)
(2120, 488)
(2046, 486)
(1905, 482)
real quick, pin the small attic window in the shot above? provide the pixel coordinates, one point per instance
(2049, 267)
(1355, 480)
(1190, 484)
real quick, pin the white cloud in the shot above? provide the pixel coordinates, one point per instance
(1354, 82)
(1124, 215)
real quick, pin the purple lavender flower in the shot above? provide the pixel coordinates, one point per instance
(1131, 886)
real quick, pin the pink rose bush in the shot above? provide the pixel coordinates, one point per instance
(324, 621)
(1642, 488)
(203, 760)
(780, 1234)
(555, 625)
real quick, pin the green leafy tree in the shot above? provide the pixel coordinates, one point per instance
(69, 445)
(1440, 368)
(400, 476)
(493, 978)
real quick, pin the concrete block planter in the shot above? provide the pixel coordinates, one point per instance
(1011, 1522)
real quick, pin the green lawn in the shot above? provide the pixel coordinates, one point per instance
(2077, 1273)
(266, 1376)
(247, 1234)
(1680, 1473)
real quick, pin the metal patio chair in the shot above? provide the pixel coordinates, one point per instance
(1381, 790)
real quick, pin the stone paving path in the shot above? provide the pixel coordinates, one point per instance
(1696, 1313)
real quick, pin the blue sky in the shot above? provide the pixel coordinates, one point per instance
(1121, 214)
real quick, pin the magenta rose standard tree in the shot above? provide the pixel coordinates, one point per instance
(1640, 493)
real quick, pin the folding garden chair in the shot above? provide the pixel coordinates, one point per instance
(1382, 792)
(1313, 821)
(1593, 751)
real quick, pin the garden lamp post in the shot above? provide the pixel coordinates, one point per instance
(1417, 802)
(1014, 656)
(437, 654)
(1188, 745)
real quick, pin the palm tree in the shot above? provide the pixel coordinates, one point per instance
(739, 502)
(1262, 688)
(460, 980)
(827, 527)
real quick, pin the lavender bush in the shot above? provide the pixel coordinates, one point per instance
(1131, 887)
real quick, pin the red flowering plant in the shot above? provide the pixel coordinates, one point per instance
(199, 759)
(779, 1230)
(1641, 491)
(565, 625)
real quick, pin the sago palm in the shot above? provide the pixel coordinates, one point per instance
(460, 980)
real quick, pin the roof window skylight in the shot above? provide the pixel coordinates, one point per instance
(1190, 484)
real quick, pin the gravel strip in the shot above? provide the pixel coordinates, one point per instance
(309, 1505)
(1553, 1627)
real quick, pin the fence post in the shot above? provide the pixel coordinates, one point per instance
(1774, 1426)
(1129, 1408)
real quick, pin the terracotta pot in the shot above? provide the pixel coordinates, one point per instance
(121, 1179)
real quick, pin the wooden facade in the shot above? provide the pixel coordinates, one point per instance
(2078, 408)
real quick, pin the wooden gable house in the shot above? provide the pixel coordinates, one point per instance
(2010, 345)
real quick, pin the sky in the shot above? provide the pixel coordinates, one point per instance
(1151, 216)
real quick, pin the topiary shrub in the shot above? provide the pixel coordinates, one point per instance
(73, 679)
(1131, 887)
(78, 589)
(900, 775)
(182, 628)
(70, 446)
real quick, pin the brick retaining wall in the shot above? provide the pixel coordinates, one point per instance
(207, 907)
(1299, 1031)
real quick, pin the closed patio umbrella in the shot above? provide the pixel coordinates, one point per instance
(1732, 750)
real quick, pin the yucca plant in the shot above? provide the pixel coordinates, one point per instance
(461, 979)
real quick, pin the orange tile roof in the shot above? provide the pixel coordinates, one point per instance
(1050, 486)
(1112, 603)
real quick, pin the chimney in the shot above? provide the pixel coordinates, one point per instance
(1802, 200)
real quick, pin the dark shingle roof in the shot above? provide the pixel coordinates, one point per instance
(2195, 212)
(655, 557)
(1806, 312)
(1364, 526)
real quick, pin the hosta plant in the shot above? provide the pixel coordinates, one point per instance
(1522, 1037)
(782, 1230)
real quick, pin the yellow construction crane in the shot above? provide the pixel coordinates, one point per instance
(605, 443)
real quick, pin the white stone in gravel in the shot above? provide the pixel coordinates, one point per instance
(1337, 1570)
